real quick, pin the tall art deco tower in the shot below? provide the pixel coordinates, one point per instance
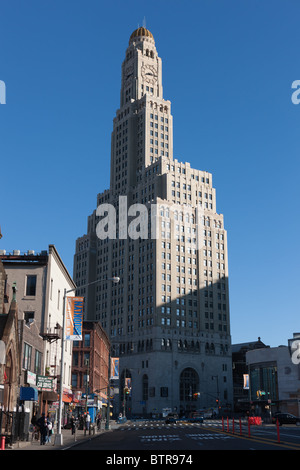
(168, 318)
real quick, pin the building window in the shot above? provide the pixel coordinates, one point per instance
(145, 387)
(87, 340)
(29, 318)
(188, 385)
(27, 356)
(38, 362)
(30, 285)
(74, 380)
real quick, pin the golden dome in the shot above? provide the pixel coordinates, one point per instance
(141, 32)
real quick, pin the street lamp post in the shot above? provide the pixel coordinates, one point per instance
(218, 393)
(59, 436)
(108, 394)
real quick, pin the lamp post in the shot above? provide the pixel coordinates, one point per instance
(59, 436)
(108, 393)
(87, 363)
(218, 393)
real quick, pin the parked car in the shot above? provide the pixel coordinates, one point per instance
(196, 417)
(121, 419)
(171, 418)
(285, 418)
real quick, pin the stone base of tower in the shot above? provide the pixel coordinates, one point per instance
(165, 381)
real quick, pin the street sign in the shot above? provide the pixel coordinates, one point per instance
(44, 383)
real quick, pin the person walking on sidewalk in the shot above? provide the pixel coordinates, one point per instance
(87, 421)
(99, 418)
(42, 423)
(73, 424)
(49, 428)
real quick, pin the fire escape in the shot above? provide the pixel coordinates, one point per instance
(51, 336)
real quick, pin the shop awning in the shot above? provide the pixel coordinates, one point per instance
(28, 394)
(50, 396)
(67, 398)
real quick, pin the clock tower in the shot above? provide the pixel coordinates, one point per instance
(141, 69)
(143, 127)
(168, 319)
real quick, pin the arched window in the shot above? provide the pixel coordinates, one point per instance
(188, 384)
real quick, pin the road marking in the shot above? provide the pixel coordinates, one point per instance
(261, 440)
(207, 436)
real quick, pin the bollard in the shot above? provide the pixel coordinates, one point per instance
(2, 443)
(240, 426)
(222, 423)
(232, 425)
(227, 424)
(278, 433)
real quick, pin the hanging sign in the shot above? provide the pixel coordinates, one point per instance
(114, 368)
(74, 318)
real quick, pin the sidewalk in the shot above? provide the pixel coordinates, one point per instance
(69, 439)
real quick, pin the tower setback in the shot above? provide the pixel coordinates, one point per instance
(158, 230)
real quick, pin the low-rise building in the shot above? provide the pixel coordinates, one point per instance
(240, 373)
(40, 280)
(90, 369)
(274, 380)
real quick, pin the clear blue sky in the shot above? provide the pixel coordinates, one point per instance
(228, 67)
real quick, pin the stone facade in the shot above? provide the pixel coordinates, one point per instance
(168, 319)
(40, 280)
(10, 362)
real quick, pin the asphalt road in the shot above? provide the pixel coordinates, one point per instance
(153, 436)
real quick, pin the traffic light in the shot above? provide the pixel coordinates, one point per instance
(126, 391)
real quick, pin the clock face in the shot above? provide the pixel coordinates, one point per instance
(149, 73)
(128, 74)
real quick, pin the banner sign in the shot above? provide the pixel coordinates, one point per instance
(74, 318)
(246, 381)
(114, 368)
(128, 384)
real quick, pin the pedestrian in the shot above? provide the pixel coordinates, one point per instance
(73, 424)
(87, 421)
(50, 431)
(99, 421)
(42, 423)
(49, 428)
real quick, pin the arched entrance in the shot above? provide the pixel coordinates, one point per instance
(188, 387)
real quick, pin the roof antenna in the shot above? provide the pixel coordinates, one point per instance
(144, 22)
